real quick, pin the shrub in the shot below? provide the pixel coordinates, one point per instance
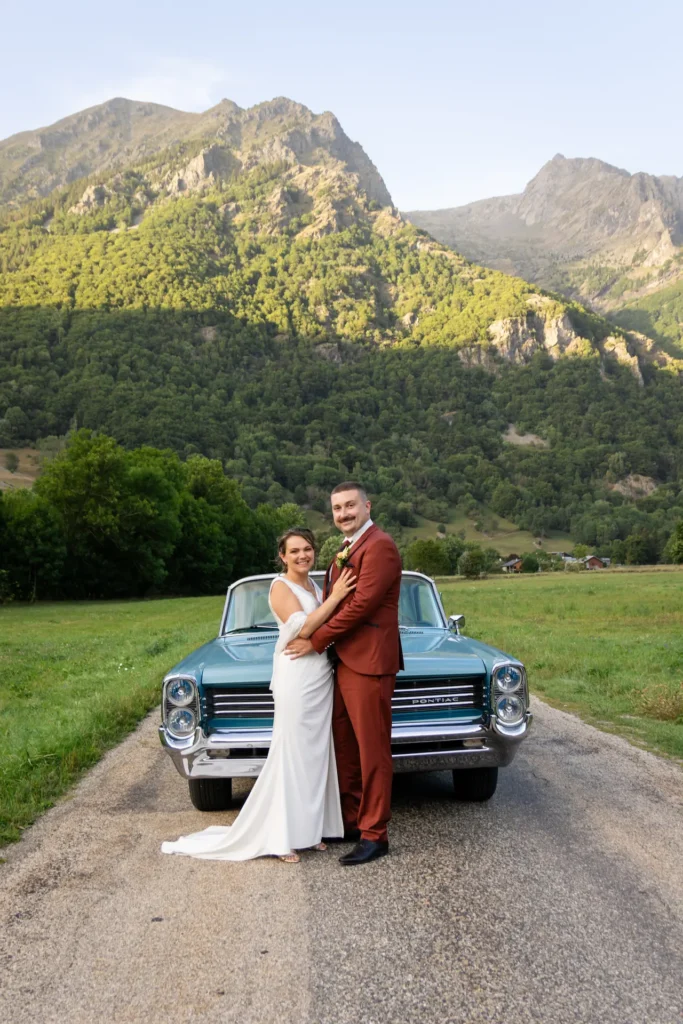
(472, 563)
(661, 703)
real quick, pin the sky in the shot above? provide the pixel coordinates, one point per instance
(452, 101)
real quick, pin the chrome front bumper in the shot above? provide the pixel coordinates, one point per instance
(418, 747)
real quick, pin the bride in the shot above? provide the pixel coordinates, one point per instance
(295, 800)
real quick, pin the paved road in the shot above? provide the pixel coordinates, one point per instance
(560, 901)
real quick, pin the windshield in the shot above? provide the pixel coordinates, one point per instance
(417, 604)
(248, 607)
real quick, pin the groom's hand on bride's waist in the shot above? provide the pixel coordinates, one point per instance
(298, 648)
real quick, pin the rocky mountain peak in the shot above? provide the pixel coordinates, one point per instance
(122, 132)
(581, 226)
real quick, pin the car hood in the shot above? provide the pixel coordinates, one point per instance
(437, 652)
(247, 658)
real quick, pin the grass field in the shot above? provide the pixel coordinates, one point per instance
(606, 645)
(77, 677)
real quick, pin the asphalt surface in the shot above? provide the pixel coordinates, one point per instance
(559, 901)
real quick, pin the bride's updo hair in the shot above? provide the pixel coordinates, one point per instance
(296, 531)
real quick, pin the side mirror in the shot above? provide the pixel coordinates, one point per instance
(456, 623)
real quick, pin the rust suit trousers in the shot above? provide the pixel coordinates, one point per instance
(361, 726)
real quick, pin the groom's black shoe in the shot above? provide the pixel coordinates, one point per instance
(351, 835)
(366, 850)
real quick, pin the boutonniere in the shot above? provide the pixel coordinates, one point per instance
(342, 557)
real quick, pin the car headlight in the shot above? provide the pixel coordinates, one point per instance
(181, 721)
(507, 678)
(510, 709)
(180, 692)
(509, 694)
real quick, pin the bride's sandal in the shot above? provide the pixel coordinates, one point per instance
(294, 858)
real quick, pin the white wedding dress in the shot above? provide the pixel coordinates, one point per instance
(295, 800)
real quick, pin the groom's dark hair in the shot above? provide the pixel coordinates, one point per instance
(350, 485)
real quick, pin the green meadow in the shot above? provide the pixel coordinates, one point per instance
(78, 677)
(607, 645)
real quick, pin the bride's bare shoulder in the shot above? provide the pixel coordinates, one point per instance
(283, 599)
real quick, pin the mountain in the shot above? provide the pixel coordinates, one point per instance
(306, 179)
(586, 229)
(121, 131)
(248, 291)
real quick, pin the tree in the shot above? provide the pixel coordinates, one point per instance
(673, 552)
(119, 512)
(642, 547)
(282, 517)
(548, 562)
(32, 547)
(472, 563)
(505, 499)
(220, 538)
(328, 550)
(454, 546)
(429, 557)
(492, 560)
(402, 513)
(530, 563)
(618, 551)
(11, 461)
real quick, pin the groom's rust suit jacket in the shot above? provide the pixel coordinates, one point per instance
(364, 629)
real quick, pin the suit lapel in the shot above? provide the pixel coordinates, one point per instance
(328, 578)
(355, 548)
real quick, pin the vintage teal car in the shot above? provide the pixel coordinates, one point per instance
(459, 704)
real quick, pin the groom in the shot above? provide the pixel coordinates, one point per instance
(364, 631)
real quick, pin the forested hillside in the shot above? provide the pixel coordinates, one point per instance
(659, 315)
(281, 319)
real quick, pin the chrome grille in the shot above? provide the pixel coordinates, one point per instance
(410, 696)
(247, 702)
(431, 694)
